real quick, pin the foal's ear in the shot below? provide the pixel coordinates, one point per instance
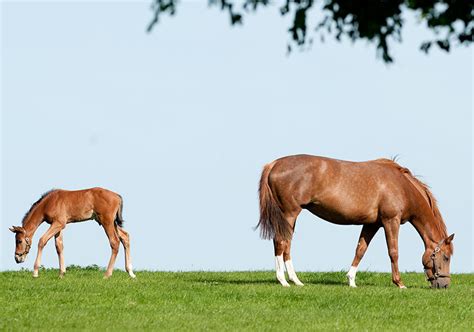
(449, 239)
(17, 229)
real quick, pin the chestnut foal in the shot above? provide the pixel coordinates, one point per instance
(375, 194)
(61, 207)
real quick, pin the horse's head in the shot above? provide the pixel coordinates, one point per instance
(22, 243)
(436, 263)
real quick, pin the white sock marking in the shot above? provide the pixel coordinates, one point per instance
(130, 271)
(351, 275)
(291, 273)
(280, 271)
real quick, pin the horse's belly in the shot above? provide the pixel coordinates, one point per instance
(343, 214)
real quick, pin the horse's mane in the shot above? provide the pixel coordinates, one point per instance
(424, 189)
(36, 204)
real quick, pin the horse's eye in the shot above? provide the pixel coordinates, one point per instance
(19, 241)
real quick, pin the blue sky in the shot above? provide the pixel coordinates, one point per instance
(180, 122)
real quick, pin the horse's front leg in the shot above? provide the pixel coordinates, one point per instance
(367, 233)
(59, 250)
(52, 230)
(392, 227)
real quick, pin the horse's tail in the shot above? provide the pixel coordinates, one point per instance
(118, 218)
(272, 223)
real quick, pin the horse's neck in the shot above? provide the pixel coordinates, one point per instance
(424, 226)
(33, 221)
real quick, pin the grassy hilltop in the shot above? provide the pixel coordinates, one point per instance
(230, 301)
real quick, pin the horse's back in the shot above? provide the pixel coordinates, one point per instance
(337, 190)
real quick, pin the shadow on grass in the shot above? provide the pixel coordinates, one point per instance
(265, 281)
(234, 281)
(330, 279)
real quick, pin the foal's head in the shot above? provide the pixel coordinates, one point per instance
(436, 263)
(22, 243)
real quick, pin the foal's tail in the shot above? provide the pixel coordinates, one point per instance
(272, 223)
(118, 218)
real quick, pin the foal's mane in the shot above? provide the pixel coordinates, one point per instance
(424, 189)
(36, 204)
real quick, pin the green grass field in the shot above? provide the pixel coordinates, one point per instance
(230, 301)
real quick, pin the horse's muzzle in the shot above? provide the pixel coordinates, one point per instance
(440, 282)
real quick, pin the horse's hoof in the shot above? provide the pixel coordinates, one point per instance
(284, 283)
(35, 275)
(132, 275)
(298, 283)
(351, 280)
(402, 287)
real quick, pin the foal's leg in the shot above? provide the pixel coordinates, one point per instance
(59, 250)
(391, 227)
(366, 235)
(109, 227)
(52, 230)
(125, 239)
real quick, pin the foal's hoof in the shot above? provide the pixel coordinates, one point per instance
(61, 275)
(35, 275)
(402, 287)
(132, 275)
(106, 277)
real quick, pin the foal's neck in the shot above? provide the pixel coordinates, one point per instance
(32, 221)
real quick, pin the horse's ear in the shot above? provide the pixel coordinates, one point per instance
(449, 239)
(12, 229)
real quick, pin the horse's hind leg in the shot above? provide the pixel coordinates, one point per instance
(289, 265)
(283, 259)
(366, 235)
(280, 247)
(125, 239)
(59, 250)
(109, 228)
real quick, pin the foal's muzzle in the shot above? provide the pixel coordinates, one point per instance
(20, 258)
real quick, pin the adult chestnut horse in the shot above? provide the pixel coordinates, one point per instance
(61, 207)
(377, 193)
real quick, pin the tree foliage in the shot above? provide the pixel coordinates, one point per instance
(377, 21)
